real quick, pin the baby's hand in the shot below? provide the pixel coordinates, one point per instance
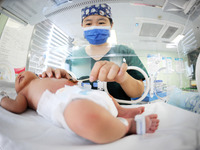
(2, 95)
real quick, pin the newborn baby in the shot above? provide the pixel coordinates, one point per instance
(91, 114)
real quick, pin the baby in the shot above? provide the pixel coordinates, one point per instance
(91, 114)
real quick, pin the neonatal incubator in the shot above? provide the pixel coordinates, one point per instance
(163, 34)
(43, 33)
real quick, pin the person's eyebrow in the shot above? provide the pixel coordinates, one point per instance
(101, 19)
(87, 20)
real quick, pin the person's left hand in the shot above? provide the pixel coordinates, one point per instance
(108, 71)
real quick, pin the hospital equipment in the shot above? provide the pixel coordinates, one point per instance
(155, 83)
(146, 89)
(198, 73)
(140, 124)
(103, 86)
(44, 32)
(178, 127)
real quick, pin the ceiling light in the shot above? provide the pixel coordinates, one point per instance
(178, 39)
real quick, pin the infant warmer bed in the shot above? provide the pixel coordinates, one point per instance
(178, 129)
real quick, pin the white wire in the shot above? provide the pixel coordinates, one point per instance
(146, 90)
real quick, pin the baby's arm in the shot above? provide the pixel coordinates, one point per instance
(19, 105)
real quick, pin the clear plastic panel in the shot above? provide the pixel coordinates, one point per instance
(165, 41)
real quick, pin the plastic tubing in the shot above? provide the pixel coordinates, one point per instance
(144, 94)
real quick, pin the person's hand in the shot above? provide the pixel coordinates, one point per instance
(56, 73)
(108, 71)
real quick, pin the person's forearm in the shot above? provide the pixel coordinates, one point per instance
(132, 87)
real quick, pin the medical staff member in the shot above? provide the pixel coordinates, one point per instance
(101, 61)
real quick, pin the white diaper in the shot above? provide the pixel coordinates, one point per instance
(51, 106)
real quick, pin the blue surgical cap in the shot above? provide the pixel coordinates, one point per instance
(98, 9)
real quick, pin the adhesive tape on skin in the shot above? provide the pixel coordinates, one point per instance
(140, 124)
(124, 121)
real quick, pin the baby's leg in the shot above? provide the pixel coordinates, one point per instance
(130, 112)
(93, 122)
(127, 112)
(152, 123)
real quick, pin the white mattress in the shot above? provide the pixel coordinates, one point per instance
(179, 129)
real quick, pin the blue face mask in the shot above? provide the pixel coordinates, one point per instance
(97, 35)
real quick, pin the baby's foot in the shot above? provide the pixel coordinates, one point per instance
(152, 123)
(130, 112)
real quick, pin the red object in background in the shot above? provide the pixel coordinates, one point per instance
(18, 70)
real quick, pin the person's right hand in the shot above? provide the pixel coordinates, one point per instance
(56, 73)
(108, 71)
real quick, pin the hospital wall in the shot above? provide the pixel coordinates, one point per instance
(14, 43)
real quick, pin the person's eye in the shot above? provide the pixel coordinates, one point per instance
(88, 24)
(101, 23)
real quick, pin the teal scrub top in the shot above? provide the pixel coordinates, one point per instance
(81, 65)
